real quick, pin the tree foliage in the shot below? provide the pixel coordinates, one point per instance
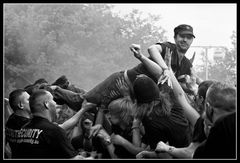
(225, 69)
(85, 42)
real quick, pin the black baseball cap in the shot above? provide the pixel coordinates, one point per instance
(184, 29)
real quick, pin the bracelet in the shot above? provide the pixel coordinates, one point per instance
(170, 149)
(164, 69)
(135, 127)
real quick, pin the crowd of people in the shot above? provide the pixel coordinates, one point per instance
(159, 109)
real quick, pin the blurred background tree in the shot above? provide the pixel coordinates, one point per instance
(85, 42)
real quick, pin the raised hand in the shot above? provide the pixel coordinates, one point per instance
(104, 136)
(168, 57)
(162, 147)
(136, 49)
(165, 77)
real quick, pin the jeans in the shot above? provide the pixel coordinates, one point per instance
(101, 93)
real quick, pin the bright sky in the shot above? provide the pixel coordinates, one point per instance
(213, 23)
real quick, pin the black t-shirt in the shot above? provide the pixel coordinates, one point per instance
(137, 70)
(174, 128)
(221, 142)
(43, 139)
(198, 133)
(14, 122)
(120, 151)
(178, 69)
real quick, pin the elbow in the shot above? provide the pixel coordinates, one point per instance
(151, 48)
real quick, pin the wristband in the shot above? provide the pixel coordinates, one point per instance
(135, 127)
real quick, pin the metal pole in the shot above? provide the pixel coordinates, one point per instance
(206, 57)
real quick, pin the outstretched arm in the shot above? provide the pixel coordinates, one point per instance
(185, 152)
(119, 140)
(190, 112)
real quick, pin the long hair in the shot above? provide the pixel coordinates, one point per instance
(123, 108)
(161, 106)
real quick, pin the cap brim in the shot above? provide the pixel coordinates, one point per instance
(187, 33)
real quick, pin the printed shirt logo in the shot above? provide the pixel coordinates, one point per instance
(23, 136)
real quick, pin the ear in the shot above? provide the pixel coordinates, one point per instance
(209, 112)
(20, 105)
(46, 104)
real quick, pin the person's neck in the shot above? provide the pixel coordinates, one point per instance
(22, 113)
(220, 114)
(181, 54)
(43, 115)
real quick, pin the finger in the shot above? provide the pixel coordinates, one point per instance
(90, 134)
(164, 80)
(95, 132)
(133, 50)
(169, 83)
(181, 76)
(160, 79)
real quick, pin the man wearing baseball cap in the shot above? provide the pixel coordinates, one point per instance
(183, 37)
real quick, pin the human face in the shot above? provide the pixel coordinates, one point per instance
(24, 99)
(199, 101)
(51, 104)
(183, 42)
(114, 119)
(87, 124)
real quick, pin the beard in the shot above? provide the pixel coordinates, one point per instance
(182, 50)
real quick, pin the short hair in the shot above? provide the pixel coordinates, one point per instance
(40, 81)
(31, 88)
(222, 97)
(123, 108)
(14, 98)
(34, 99)
(203, 87)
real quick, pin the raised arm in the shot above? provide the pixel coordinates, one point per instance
(70, 123)
(151, 66)
(190, 112)
(155, 53)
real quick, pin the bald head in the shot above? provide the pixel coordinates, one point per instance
(38, 100)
